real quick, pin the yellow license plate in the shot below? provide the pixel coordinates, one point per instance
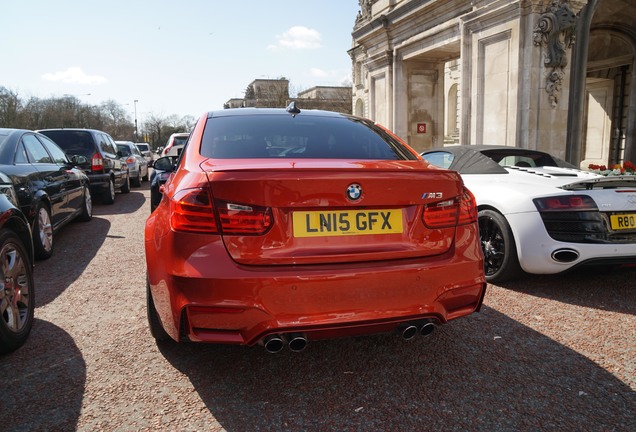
(624, 221)
(347, 222)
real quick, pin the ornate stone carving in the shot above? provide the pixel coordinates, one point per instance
(364, 14)
(555, 31)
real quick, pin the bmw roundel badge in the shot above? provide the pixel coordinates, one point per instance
(354, 191)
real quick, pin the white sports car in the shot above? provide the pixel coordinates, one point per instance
(540, 214)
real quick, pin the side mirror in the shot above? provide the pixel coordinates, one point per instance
(165, 163)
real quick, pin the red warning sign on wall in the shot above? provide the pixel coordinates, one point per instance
(421, 128)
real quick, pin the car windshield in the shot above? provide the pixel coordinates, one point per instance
(276, 136)
(143, 147)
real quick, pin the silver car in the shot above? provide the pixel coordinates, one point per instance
(137, 164)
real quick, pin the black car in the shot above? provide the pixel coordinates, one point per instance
(162, 169)
(50, 190)
(104, 167)
(17, 295)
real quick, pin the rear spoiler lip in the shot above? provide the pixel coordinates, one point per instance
(610, 182)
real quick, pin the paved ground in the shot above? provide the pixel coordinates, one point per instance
(545, 353)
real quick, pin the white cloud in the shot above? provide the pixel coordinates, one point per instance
(318, 73)
(298, 37)
(74, 75)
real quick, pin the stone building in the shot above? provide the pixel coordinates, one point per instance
(274, 93)
(331, 98)
(553, 75)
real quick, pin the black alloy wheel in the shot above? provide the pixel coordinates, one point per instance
(498, 245)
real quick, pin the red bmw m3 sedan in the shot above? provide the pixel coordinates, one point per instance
(283, 226)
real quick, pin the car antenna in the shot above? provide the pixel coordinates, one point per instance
(293, 109)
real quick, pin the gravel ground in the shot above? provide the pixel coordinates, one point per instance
(545, 353)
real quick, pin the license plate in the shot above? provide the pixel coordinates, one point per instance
(623, 221)
(347, 222)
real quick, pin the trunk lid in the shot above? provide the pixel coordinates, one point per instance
(318, 216)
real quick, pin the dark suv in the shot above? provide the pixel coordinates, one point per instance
(105, 170)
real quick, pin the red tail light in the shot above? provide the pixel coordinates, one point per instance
(191, 210)
(244, 219)
(467, 208)
(445, 214)
(97, 162)
(565, 203)
(130, 159)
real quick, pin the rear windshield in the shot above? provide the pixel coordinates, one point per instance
(73, 142)
(275, 136)
(180, 140)
(124, 149)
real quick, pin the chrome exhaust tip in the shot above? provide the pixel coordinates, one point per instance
(273, 343)
(297, 342)
(427, 328)
(408, 331)
(565, 255)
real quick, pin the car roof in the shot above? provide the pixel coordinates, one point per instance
(73, 130)
(272, 111)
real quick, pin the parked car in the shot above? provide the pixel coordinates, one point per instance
(539, 214)
(162, 169)
(50, 190)
(175, 144)
(354, 235)
(144, 148)
(137, 164)
(17, 296)
(106, 171)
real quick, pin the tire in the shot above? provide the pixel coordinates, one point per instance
(17, 294)
(109, 197)
(498, 245)
(126, 186)
(145, 178)
(154, 323)
(136, 182)
(87, 206)
(42, 232)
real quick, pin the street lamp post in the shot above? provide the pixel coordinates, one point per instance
(136, 131)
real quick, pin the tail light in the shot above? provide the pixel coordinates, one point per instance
(192, 210)
(461, 210)
(97, 162)
(130, 159)
(467, 208)
(565, 203)
(244, 219)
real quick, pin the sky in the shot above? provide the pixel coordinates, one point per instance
(173, 57)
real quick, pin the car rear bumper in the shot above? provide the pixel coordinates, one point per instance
(539, 253)
(99, 183)
(199, 292)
